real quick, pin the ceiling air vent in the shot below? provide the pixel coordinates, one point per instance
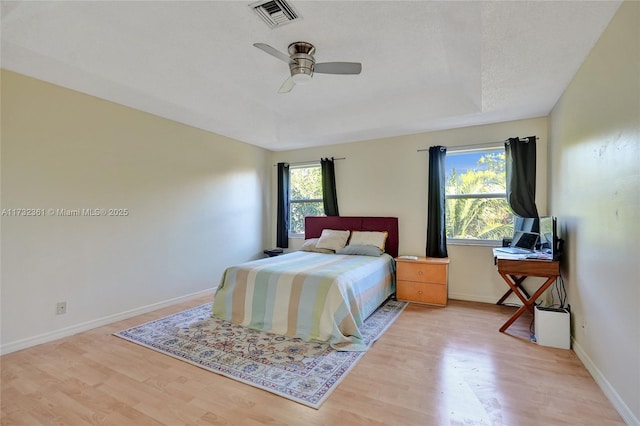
(275, 12)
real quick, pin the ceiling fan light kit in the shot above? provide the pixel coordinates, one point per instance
(301, 78)
(302, 64)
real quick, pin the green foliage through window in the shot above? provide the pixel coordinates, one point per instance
(305, 198)
(476, 202)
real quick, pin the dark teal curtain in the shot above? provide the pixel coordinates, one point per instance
(436, 220)
(282, 237)
(520, 163)
(329, 195)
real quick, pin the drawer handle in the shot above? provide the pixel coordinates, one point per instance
(419, 291)
(419, 272)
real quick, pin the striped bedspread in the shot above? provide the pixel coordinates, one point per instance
(313, 296)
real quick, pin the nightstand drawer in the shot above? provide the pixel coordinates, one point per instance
(422, 272)
(433, 294)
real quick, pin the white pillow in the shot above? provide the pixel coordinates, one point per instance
(332, 239)
(311, 245)
(369, 238)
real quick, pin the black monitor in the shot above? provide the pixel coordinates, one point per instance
(547, 227)
(549, 240)
(526, 224)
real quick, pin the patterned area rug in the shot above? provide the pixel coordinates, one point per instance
(304, 372)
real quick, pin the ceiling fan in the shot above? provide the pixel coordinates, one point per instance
(302, 64)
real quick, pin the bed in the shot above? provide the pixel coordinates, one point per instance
(314, 295)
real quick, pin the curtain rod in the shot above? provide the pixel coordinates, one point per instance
(479, 145)
(300, 163)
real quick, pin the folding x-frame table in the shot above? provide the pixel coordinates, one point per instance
(515, 271)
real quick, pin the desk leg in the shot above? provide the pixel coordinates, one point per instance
(518, 282)
(515, 316)
(514, 285)
(527, 303)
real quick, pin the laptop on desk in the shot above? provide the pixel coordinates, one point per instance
(522, 243)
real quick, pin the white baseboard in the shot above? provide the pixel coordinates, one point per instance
(474, 298)
(88, 325)
(621, 407)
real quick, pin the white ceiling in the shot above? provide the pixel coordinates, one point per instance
(427, 65)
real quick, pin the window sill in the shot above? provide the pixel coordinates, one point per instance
(480, 243)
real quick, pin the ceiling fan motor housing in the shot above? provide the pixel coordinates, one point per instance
(303, 62)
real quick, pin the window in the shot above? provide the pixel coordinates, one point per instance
(476, 198)
(305, 196)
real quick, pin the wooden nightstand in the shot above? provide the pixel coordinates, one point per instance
(423, 280)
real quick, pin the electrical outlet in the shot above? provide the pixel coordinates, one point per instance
(61, 308)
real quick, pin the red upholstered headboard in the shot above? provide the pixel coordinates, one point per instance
(313, 226)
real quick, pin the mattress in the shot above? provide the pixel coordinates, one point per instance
(312, 296)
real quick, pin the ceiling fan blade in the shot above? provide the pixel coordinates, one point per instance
(287, 85)
(274, 52)
(338, 68)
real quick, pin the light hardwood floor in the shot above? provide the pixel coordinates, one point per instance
(434, 366)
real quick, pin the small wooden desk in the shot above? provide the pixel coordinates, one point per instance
(515, 270)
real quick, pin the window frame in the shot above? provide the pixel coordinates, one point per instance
(484, 148)
(302, 200)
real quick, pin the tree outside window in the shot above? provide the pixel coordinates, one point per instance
(476, 199)
(305, 196)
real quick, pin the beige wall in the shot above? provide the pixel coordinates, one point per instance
(388, 177)
(197, 202)
(595, 181)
